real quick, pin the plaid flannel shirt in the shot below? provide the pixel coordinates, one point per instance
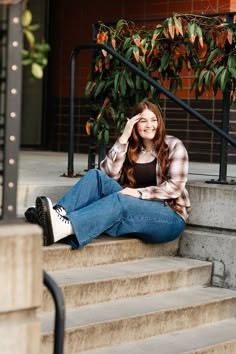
(174, 188)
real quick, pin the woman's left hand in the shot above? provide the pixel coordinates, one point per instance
(131, 192)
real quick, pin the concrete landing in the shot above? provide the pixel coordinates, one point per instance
(40, 174)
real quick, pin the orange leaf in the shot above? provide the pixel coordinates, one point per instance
(136, 55)
(217, 58)
(154, 36)
(92, 86)
(201, 42)
(150, 53)
(106, 101)
(155, 52)
(202, 51)
(113, 43)
(166, 34)
(211, 80)
(100, 65)
(189, 65)
(178, 27)
(180, 50)
(224, 36)
(137, 42)
(171, 29)
(192, 38)
(144, 50)
(88, 127)
(102, 37)
(230, 37)
(201, 84)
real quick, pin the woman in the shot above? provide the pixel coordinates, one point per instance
(139, 189)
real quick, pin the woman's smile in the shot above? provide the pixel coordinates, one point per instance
(147, 125)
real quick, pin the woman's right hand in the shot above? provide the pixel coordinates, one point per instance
(128, 129)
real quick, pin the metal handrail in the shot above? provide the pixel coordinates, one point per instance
(150, 80)
(11, 110)
(59, 326)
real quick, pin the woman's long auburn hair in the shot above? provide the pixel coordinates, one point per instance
(135, 146)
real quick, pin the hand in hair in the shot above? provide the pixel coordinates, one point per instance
(128, 128)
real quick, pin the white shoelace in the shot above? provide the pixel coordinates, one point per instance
(60, 210)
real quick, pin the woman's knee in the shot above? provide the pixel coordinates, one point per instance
(94, 173)
(164, 232)
(157, 237)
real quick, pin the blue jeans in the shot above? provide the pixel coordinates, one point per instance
(95, 206)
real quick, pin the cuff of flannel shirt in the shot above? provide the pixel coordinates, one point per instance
(119, 148)
(143, 193)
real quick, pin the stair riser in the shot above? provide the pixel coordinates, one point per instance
(218, 248)
(88, 293)
(97, 253)
(212, 205)
(26, 194)
(138, 327)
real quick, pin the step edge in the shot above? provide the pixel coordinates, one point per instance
(215, 300)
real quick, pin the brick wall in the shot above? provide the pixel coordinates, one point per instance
(72, 26)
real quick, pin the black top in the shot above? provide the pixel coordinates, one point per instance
(145, 174)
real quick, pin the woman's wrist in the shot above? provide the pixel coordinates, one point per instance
(123, 140)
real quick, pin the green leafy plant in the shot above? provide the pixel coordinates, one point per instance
(204, 46)
(34, 52)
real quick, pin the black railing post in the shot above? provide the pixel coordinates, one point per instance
(59, 325)
(70, 169)
(12, 111)
(92, 152)
(225, 120)
(224, 143)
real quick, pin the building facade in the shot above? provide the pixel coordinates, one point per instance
(68, 25)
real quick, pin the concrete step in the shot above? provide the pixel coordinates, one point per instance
(21, 287)
(213, 205)
(215, 245)
(214, 338)
(104, 250)
(83, 286)
(130, 319)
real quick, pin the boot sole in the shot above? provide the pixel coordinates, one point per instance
(43, 211)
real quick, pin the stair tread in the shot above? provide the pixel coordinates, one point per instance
(179, 342)
(209, 231)
(134, 268)
(138, 306)
(104, 250)
(100, 239)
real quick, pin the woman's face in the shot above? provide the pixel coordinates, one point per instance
(147, 125)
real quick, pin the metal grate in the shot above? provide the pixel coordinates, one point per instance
(10, 105)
